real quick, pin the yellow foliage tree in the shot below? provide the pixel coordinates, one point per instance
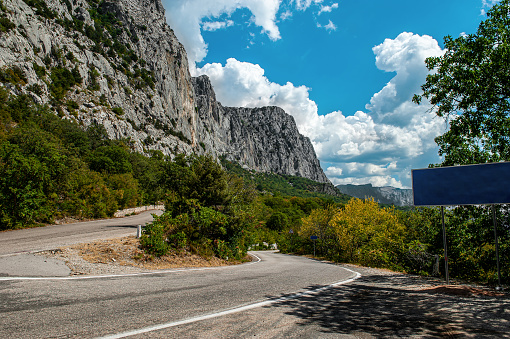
(318, 224)
(367, 234)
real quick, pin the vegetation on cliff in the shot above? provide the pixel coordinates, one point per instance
(51, 168)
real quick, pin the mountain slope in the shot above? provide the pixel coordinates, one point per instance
(383, 195)
(117, 63)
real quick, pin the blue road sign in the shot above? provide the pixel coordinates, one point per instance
(462, 185)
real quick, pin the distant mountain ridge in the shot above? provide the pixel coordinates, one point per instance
(383, 195)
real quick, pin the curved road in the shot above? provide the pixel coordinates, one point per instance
(116, 306)
(55, 236)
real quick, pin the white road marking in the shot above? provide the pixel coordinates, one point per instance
(130, 274)
(230, 311)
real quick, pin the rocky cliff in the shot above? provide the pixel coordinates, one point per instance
(264, 139)
(118, 63)
(383, 195)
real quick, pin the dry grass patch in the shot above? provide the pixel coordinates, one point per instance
(127, 252)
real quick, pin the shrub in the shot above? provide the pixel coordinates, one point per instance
(118, 110)
(152, 240)
(6, 25)
(13, 75)
(62, 80)
(93, 84)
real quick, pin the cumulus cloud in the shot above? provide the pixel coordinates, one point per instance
(404, 55)
(357, 174)
(379, 143)
(393, 130)
(186, 16)
(243, 84)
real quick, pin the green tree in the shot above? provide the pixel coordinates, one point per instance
(277, 221)
(198, 177)
(469, 88)
(113, 159)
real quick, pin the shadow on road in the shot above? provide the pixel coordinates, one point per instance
(384, 306)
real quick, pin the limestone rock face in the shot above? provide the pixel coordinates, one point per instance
(135, 81)
(265, 139)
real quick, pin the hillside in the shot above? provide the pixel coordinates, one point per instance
(383, 195)
(118, 64)
(287, 185)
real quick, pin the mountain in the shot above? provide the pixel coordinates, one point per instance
(117, 63)
(383, 195)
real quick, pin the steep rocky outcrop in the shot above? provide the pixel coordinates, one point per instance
(383, 195)
(264, 139)
(118, 63)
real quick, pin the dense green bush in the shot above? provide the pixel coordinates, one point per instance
(153, 240)
(206, 208)
(62, 80)
(41, 8)
(13, 75)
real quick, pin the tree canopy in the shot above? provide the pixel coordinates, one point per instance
(469, 88)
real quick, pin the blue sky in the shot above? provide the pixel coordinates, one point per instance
(345, 69)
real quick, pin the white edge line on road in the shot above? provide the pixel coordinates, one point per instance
(83, 277)
(230, 311)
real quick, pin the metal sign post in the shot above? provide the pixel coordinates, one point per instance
(497, 243)
(445, 248)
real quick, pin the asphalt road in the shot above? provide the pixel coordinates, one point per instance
(280, 296)
(102, 306)
(55, 236)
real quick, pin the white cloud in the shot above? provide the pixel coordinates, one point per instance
(215, 25)
(327, 9)
(186, 16)
(404, 55)
(487, 4)
(357, 174)
(394, 130)
(285, 15)
(379, 145)
(329, 27)
(303, 5)
(242, 84)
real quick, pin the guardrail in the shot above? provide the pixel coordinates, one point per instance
(127, 211)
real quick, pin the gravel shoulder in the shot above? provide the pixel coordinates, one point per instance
(123, 256)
